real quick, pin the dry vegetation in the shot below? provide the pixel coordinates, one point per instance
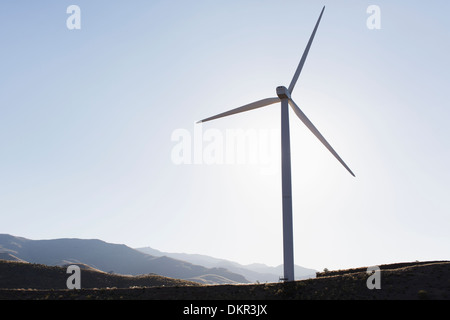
(14, 275)
(429, 280)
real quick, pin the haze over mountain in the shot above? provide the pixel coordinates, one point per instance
(108, 257)
(252, 272)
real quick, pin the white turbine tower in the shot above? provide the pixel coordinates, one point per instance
(284, 96)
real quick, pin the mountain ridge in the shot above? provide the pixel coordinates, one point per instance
(122, 259)
(255, 272)
(110, 258)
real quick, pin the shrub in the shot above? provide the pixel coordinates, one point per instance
(422, 295)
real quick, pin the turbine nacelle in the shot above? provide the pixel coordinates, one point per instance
(283, 93)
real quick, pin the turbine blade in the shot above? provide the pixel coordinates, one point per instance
(316, 132)
(247, 107)
(305, 54)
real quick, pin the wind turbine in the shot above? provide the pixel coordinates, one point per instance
(284, 96)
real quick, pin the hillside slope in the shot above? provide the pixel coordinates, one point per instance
(411, 282)
(15, 275)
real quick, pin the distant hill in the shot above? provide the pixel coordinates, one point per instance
(110, 258)
(14, 275)
(256, 272)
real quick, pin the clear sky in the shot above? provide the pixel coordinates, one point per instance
(90, 119)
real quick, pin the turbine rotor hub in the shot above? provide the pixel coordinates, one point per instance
(283, 93)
